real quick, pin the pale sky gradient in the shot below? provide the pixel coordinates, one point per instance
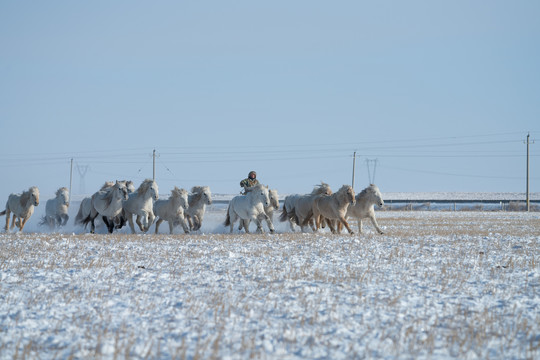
(441, 93)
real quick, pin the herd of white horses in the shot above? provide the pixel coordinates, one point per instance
(117, 203)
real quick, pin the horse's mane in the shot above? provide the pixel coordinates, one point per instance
(143, 188)
(107, 185)
(25, 196)
(320, 189)
(370, 189)
(61, 190)
(177, 193)
(197, 192)
(342, 192)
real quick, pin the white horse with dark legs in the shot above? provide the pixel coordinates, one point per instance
(86, 204)
(172, 210)
(198, 199)
(22, 207)
(108, 204)
(333, 208)
(141, 203)
(249, 207)
(56, 210)
(364, 207)
(297, 209)
(269, 210)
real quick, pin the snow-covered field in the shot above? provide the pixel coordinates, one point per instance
(436, 285)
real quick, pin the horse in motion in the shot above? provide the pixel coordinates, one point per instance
(172, 210)
(297, 209)
(141, 203)
(56, 209)
(364, 207)
(22, 207)
(108, 204)
(250, 207)
(269, 210)
(198, 199)
(86, 204)
(334, 207)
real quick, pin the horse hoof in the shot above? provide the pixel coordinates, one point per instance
(272, 231)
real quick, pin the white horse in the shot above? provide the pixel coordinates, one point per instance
(56, 210)
(22, 207)
(108, 204)
(269, 210)
(172, 210)
(334, 208)
(141, 203)
(364, 208)
(198, 199)
(297, 209)
(250, 207)
(86, 204)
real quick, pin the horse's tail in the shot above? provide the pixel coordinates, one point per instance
(43, 220)
(3, 213)
(284, 215)
(228, 218)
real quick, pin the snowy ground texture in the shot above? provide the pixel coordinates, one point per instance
(437, 285)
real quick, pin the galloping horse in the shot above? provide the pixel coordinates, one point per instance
(172, 210)
(22, 207)
(297, 208)
(198, 199)
(269, 210)
(364, 207)
(249, 207)
(108, 204)
(334, 207)
(56, 210)
(86, 204)
(141, 203)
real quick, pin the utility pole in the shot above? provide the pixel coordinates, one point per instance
(353, 166)
(528, 142)
(374, 161)
(70, 180)
(154, 165)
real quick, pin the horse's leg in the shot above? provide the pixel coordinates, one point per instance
(130, 221)
(8, 216)
(184, 225)
(197, 224)
(270, 224)
(374, 221)
(13, 221)
(109, 224)
(346, 224)
(232, 219)
(139, 223)
(190, 222)
(160, 220)
(151, 218)
(360, 226)
(331, 226)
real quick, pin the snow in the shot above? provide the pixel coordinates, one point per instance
(435, 285)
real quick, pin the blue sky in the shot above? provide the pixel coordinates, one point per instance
(440, 93)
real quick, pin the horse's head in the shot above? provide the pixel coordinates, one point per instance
(377, 196)
(34, 195)
(129, 186)
(348, 194)
(180, 197)
(154, 191)
(261, 193)
(120, 191)
(207, 195)
(323, 189)
(62, 195)
(274, 199)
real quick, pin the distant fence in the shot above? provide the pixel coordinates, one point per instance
(448, 205)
